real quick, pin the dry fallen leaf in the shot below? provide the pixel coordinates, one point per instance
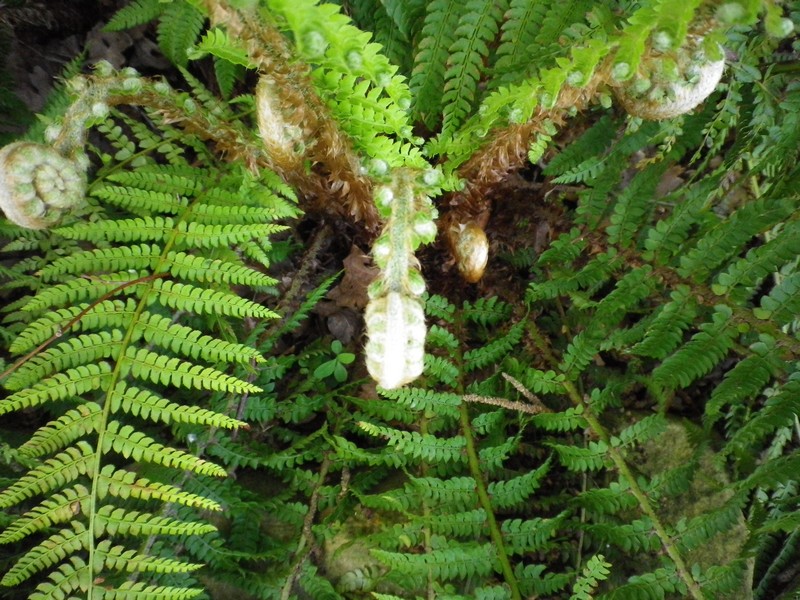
(359, 272)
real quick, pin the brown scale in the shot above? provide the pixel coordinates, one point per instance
(337, 186)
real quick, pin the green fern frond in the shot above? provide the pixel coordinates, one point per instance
(698, 356)
(740, 279)
(595, 571)
(445, 404)
(61, 386)
(158, 368)
(782, 304)
(181, 296)
(530, 535)
(50, 552)
(665, 332)
(590, 458)
(714, 248)
(141, 200)
(476, 29)
(325, 37)
(217, 43)
(69, 427)
(742, 383)
(148, 405)
(59, 508)
(79, 350)
(118, 521)
(136, 13)
(428, 76)
(419, 446)
(655, 584)
(125, 484)
(445, 564)
(53, 473)
(492, 352)
(568, 420)
(178, 27)
(778, 411)
(192, 343)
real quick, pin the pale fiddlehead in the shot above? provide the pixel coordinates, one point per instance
(394, 317)
(38, 185)
(671, 82)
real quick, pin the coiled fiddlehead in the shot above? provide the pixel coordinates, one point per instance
(672, 82)
(38, 185)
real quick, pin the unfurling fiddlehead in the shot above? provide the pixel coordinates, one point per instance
(394, 317)
(38, 185)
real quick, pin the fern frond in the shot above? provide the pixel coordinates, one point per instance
(128, 442)
(443, 403)
(181, 296)
(55, 510)
(69, 427)
(649, 585)
(125, 484)
(530, 535)
(698, 356)
(136, 13)
(178, 28)
(746, 379)
(722, 242)
(79, 350)
(778, 411)
(590, 458)
(476, 29)
(665, 331)
(492, 352)
(61, 386)
(428, 76)
(51, 551)
(114, 313)
(192, 343)
(55, 472)
(217, 43)
(141, 200)
(148, 405)
(445, 564)
(118, 521)
(782, 304)
(420, 446)
(159, 368)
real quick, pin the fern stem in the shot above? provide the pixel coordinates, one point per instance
(480, 486)
(306, 543)
(117, 375)
(486, 503)
(426, 513)
(622, 467)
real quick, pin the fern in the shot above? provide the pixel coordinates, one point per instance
(129, 354)
(609, 413)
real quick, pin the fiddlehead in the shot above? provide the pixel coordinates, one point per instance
(38, 185)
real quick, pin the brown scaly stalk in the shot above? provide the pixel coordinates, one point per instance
(507, 152)
(335, 184)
